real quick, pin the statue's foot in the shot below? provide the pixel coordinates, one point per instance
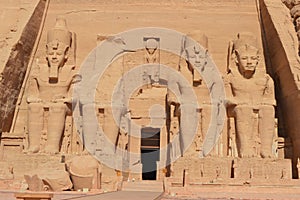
(33, 149)
(266, 155)
(247, 154)
(51, 151)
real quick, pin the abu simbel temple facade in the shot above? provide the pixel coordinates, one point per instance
(102, 95)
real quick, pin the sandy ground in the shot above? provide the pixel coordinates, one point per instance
(132, 195)
(236, 192)
(203, 192)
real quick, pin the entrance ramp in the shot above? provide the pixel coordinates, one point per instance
(145, 185)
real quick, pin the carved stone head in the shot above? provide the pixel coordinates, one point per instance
(295, 2)
(246, 54)
(58, 44)
(151, 45)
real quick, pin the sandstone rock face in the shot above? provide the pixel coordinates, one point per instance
(18, 39)
(283, 62)
(188, 92)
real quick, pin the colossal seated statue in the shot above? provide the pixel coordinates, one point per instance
(251, 100)
(49, 91)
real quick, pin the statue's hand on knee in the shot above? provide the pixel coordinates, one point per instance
(62, 100)
(34, 100)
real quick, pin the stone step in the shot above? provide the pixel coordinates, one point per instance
(151, 186)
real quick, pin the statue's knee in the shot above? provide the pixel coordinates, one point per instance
(267, 110)
(88, 107)
(243, 110)
(57, 108)
(35, 107)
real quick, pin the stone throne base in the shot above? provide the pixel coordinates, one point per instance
(231, 171)
(262, 171)
(205, 170)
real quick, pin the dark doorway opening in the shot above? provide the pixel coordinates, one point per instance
(149, 158)
(150, 144)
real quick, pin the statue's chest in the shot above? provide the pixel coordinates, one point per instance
(63, 76)
(253, 85)
(61, 86)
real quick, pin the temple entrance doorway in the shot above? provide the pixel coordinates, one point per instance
(150, 145)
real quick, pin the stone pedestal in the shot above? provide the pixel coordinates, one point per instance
(203, 170)
(262, 169)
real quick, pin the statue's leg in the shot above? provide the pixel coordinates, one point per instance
(188, 125)
(35, 126)
(111, 125)
(90, 127)
(244, 122)
(266, 130)
(56, 124)
(205, 122)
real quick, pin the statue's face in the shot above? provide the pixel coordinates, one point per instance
(56, 54)
(151, 46)
(247, 59)
(296, 2)
(297, 22)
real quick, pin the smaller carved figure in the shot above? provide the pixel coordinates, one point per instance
(298, 167)
(123, 133)
(174, 138)
(152, 57)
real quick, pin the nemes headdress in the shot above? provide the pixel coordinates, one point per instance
(245, 41)
(60, 32)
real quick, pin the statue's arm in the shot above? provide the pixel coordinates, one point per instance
(33, 87)
(230, 99)
(71, 96)
(269, 94)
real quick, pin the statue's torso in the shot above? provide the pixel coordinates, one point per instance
(249, 91)
(60, 89)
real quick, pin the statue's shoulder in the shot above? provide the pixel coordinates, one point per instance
(67, 72)
(232, 76)
(267, 78)
(70, 68)
(36, 69)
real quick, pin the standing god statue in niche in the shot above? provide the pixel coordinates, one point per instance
(151, 73)
(251, 99)
(48, 98)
